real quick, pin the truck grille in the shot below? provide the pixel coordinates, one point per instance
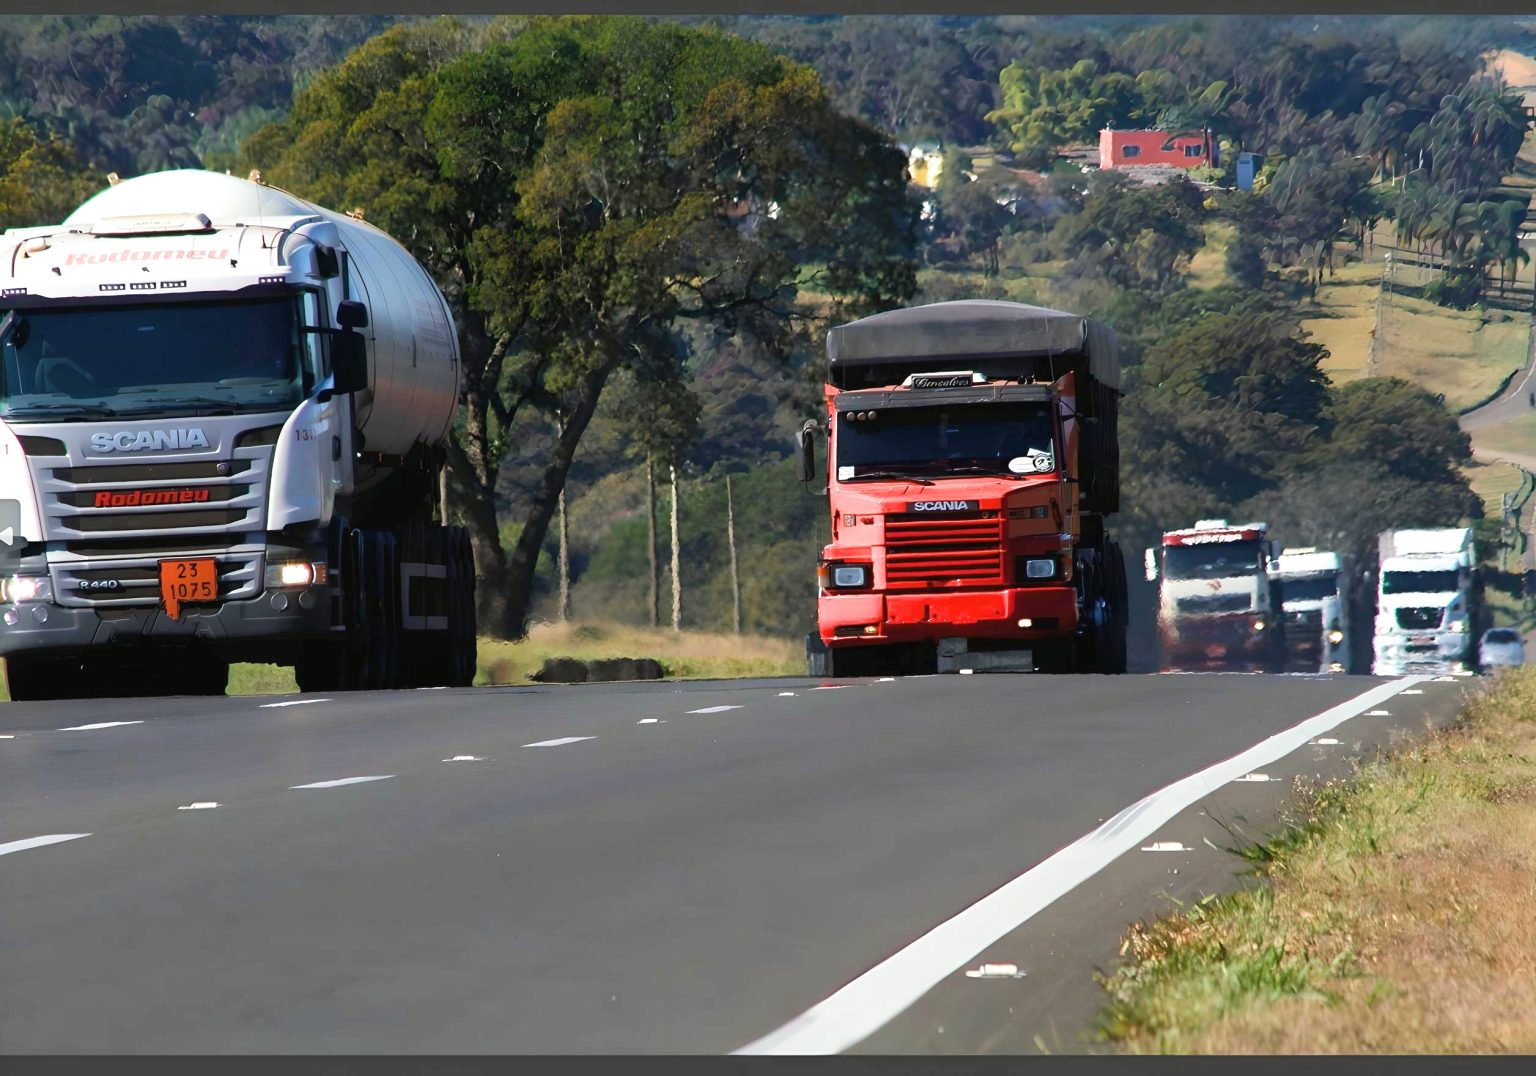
(102, 502)
(1215, 603)
(1304, 633)
(961, 550)
(1419, 619)
(138, 581)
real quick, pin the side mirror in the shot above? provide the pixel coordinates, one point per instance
(1150, 558)
(807, 454)
(349, 361)
(351, 314)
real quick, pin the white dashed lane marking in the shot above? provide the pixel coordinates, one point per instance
(200, 805)
(714, 709)
(345, 781)
(290, 702)
(99, 725)
(561, 741)
(39, 842)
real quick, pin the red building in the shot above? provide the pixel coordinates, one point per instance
(1119, 149)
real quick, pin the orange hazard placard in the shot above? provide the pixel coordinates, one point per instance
(183, 581)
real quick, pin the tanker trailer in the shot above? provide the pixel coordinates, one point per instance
(222, 419)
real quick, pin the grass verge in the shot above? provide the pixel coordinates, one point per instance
(1462, 353)
(688, 655)
(1394, 916)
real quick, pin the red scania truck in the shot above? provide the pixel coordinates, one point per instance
(972, 462)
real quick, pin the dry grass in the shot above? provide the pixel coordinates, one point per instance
(685, 655)
(1208, 268)
(1516, 437)
(1462, 353)
(1399, 916)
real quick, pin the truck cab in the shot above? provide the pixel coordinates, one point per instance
(1427, 602)
(1317, 637)
(221, 411)
(970, 456)
(1217, 608)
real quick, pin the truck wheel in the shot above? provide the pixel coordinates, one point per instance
(1117, 593)
(817, 659)
(464, 634)
(209, 678)
(320, 668)
(33, 679)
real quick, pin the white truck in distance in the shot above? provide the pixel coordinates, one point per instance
(1426, 602)
(1217, 608)
(222, 417)
(1310, 583)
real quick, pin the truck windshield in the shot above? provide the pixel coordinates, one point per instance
(1307, 590)
(1212, 560)
(1419, 582)
(63, 364)
(1013, 438)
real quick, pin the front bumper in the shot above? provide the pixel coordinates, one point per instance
(254, 629)
(926, 616)
(1443, 653)
(1215, 643)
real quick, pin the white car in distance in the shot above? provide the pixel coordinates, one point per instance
(1501, 648)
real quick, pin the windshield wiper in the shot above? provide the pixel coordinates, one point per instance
(155, 403)
(974, 468)
(891, 474)
(94, 410)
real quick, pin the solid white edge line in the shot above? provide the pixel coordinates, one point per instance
(872, 1000)
(39, 842)
(344, 781)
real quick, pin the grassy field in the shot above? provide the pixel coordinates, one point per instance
(685, 655)
(1517, 437)
(688, 655)
(1462, 353)
(1397, 915)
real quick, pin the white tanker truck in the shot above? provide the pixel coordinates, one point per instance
(222, 412)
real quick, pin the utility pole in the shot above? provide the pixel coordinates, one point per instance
(1383, 310)
(677, 583)
(565, 545)
(650, 519)
(730, 534)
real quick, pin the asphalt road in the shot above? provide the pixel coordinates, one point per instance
(641, 868)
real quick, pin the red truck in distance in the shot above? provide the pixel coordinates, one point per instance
(971, 464)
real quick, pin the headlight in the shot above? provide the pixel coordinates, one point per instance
(1258, 624)
(295, 574)
(1335, 637)
(26, 588)
(843, 576)
(1456, 625)
(849, 575)
(1039, 569)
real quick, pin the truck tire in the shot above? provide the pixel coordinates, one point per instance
(34, 679)
(1116, 592)
(206, 677)
(818, 661)
(464, 632)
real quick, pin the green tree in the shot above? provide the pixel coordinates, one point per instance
(41, 180)
(578, 185)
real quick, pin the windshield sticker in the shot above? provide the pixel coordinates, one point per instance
(844, 473)
(1036, 461)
